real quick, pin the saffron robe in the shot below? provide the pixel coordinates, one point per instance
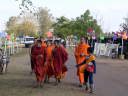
(49, 61)
(60, 56)
(81, 49)
(38, 59)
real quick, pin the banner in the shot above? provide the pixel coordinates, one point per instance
(96, 49)
(101, 49)
(115, 37)
(101, 37)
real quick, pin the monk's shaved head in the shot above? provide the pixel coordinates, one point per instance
(82, 39)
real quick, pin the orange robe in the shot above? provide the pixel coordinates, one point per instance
(44, 44)
(49, 61)
(38, 62)
(64, 69)
(81, 49)
(60, 56)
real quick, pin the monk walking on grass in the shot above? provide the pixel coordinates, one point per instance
(80, 53)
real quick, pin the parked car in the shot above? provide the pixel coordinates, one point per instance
(28, 41)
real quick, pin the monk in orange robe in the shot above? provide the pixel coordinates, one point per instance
(80, 53)
(38, 59)
(49, 60)
(43, 43)
(60, 56)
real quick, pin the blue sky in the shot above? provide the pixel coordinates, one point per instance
(109, 13)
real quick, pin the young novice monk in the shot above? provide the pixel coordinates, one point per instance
(89, 68)
(49, 60)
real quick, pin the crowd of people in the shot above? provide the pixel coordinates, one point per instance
(48, 60)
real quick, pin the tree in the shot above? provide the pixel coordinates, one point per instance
(11, 25)
(86, 21)
(21, 26)
(78, 26)
(62, 27)
(124, 25)
(45, 20)
(27, 28)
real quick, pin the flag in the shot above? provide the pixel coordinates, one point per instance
(12, 36)
(101, 37)
(3, 34)
(93, 37)
(115, 37)
(90, 30)
(8, 37)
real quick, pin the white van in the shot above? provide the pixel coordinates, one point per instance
(28, 41)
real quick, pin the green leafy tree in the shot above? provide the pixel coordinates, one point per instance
(62, 27)
(77, 27)
(86, 21)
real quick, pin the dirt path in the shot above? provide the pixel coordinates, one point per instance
(19, 82)
(111, 79)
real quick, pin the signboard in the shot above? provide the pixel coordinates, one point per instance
(101, 49)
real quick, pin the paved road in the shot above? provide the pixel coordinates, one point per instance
(111, 79)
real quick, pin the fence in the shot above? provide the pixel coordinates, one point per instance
(12, 49)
